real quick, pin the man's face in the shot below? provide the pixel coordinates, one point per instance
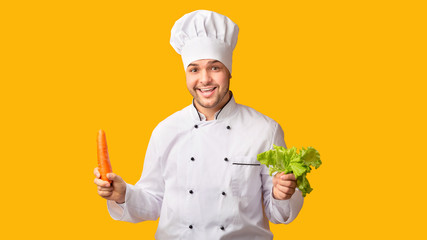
(208, 82)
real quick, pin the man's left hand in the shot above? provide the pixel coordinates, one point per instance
(284, 186)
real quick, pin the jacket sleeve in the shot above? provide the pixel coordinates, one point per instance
(143, 200)
(279, 211)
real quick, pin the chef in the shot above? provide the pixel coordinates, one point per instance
(201, 175)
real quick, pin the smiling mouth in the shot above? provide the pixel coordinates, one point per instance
(206, 92)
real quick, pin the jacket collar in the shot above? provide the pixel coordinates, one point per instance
(226, 111)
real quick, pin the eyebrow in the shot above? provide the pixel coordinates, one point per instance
(195, 65)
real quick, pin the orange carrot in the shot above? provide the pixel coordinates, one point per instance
(104, 165)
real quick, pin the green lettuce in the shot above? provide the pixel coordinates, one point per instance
(298, 162)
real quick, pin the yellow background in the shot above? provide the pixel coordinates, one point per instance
(346, 77)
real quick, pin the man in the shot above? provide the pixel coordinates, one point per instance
(201, 175)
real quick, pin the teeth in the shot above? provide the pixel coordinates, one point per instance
(206, 89)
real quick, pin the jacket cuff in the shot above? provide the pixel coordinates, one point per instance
(285, 211)
(117, 210)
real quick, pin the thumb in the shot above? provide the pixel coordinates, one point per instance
(114, 177)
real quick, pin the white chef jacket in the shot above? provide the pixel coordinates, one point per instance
(203, 180)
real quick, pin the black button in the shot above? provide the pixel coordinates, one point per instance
(196, 126)
(223, 193)
(222, 228)
(192, 159)
(191, 191)
(226, 159)
(191, 226)
(228, 127)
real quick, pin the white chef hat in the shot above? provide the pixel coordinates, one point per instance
(204, 34)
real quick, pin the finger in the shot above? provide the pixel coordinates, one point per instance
(280, 195)
(279, 174)
(289, 176)
(285, 190)
(108, 189)
(114, 177)
(105, 194)
(101, 183)
(287, 183)
(96, 172)
(276, 178)
(111, 176)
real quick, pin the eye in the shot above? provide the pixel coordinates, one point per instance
(193, 70)
(214, 68)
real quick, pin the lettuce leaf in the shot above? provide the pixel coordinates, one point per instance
(292, 160)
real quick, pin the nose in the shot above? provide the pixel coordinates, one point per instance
(205, 77)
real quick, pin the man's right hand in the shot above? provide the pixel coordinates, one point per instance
(115, 191)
